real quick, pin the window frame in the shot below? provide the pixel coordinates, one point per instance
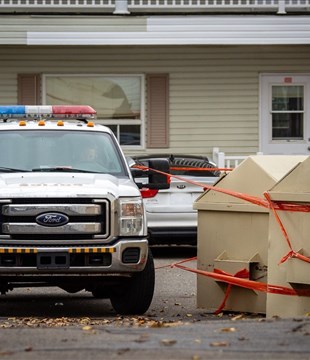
(107, 122)
(292, 147)
(288, 112)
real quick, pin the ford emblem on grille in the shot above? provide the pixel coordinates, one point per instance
(52, 219)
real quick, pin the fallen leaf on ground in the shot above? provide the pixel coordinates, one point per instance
(168, 342)
(158, 324)
(195, 357)
(220, 343)
(229, 329)
(87, 328)
(143, 338)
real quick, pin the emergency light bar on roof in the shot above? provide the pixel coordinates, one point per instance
(47, 111)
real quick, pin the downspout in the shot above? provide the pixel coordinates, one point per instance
(281, 8)
(121, 7)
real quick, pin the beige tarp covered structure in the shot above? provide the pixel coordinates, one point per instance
(293, 273)
(233, 233)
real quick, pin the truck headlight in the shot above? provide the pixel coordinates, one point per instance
(131, 217)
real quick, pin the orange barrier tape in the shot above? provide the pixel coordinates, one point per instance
(244, 283)
(294, 254)
(291, 253)
(253, 199)
(271, 206)
(241, 279)
(291, 207)
(268, 203)
(240, 274)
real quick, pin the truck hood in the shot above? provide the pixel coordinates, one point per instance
(65, 185)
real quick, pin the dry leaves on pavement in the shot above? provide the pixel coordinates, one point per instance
(86, 323)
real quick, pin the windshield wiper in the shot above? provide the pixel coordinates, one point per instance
(8, 169)
(62, 169)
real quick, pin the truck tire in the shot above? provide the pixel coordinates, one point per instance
(137, 296)
(100, 293)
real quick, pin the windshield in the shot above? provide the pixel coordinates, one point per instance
(48, 150)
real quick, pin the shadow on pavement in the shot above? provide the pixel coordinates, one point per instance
(174, 251)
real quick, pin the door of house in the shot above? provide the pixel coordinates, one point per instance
(285, 114)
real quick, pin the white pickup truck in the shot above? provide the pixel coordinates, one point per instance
(71, 214)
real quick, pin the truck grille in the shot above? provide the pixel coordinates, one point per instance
(79, 219)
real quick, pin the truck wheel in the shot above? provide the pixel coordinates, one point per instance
(138, 294)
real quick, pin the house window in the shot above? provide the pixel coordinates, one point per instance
(118, 100)
(284, 113)
(287, 112)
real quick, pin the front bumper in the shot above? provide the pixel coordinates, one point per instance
(124, 257)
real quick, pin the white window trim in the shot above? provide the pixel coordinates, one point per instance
(266, 145)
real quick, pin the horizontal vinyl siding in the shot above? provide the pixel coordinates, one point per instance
(8, 86)
(214, 90)
(154, 30)
(16, 29)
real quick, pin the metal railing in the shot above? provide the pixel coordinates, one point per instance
(125, 7)
(228, 161)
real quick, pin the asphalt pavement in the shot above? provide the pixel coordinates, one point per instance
(51, 324)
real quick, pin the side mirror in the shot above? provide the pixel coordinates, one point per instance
(159, 180)
(155, 176)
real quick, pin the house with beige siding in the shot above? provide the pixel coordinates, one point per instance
(168, 76)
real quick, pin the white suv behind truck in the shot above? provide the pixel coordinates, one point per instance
(71, 214)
